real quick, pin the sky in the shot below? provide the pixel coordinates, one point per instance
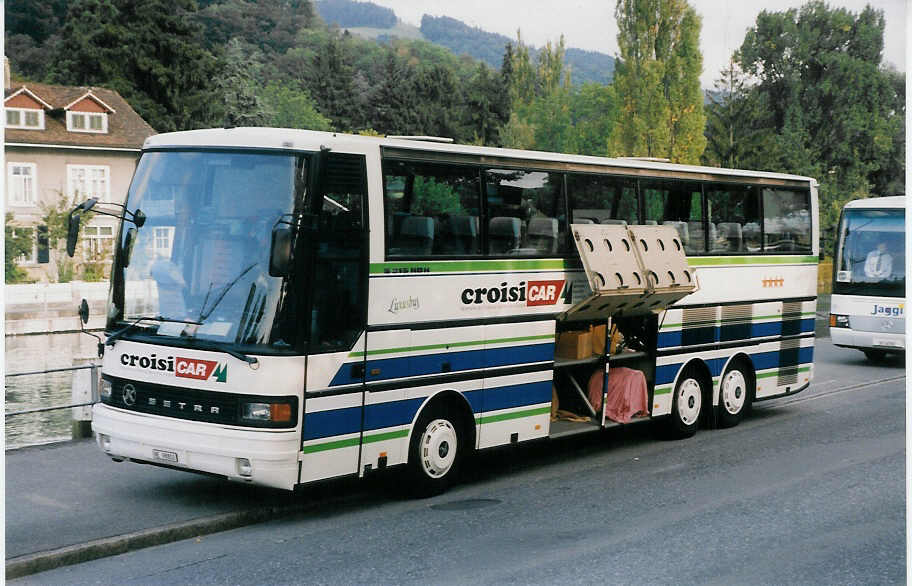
(590, 24)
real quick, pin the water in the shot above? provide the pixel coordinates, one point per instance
(42, 352)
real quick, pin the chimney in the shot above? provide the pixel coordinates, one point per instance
(6, 72)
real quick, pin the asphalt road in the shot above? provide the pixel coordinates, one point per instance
(809, 489)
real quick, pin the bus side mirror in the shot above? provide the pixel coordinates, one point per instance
(129, 241)
(84, 311)
(280, 250)
(72, 231)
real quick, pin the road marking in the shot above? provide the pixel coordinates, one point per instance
(823, 394)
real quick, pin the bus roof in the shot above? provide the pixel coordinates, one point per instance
(309, 140)
(894, 201)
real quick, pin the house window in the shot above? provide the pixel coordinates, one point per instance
(21, 184)
(98, 240)
(164, 236)
(85, 181)
(87, 122)
(27, 118)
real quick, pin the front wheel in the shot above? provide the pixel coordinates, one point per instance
(686, 406)
(435, 452)
(875, 356)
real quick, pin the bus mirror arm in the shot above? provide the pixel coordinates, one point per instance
(83, 320)
(137, 217)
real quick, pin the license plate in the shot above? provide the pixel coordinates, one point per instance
(889, 343)
(165, 456)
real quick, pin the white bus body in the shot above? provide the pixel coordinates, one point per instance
(405, 321)
(868, 304)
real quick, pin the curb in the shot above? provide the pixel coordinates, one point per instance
(33, 563)
(98, 548)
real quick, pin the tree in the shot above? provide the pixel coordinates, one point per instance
(235, 88)
(150, 52)
(292, 107)
(657, 81)
(17, 243)
(835, 112)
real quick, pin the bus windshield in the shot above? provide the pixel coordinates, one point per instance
(870, 252)
(198, 269)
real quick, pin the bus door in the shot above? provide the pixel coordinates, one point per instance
(335, 279)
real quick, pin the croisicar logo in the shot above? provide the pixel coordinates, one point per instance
(531, 293)
(181, 367)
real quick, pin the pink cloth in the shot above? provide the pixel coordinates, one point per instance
(626, 395)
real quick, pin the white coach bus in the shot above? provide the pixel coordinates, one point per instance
(869, 277)
(288, 306)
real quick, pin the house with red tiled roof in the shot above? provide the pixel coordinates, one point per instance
(71, 142)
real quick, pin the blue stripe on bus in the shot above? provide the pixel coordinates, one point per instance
(344, 421)
(665, 374)
(406, 366)
(736, 332)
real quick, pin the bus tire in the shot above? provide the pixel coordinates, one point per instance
(735, 394)
(875, 356)
(435, 452)
(687, 405)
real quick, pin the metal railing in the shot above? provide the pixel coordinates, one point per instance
(94, 391)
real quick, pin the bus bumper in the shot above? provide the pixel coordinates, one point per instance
(201, 447)
(888, 342)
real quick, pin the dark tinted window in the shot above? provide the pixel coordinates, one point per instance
(678, 204)
(734, 219)
(596, 199)
(525, 213)
(786, 220)
(431, 209)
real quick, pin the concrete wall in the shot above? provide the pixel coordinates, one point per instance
(53, 307)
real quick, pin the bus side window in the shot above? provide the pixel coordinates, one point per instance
(678, 204)
(734, 211)
(786, 220)
(597, 199)
(526, 213)
(431, 209)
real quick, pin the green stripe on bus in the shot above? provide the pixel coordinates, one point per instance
(354, 441)
(382, 437)
(714, 261)
(776, 372)
(661, 391)
(450, 345)
(453, 266)
(513, 415)
(335, 445)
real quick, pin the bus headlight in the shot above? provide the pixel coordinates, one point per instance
(839, 321)
(105, 390)
(266, 412)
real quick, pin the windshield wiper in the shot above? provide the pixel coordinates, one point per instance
(205, 314)
(119, 333)
(201, 345)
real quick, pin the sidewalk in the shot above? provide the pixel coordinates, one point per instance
(68, 502)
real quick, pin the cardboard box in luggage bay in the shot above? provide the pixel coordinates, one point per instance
(573, 345)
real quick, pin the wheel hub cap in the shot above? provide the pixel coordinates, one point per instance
(734, 393)
(689, 401)
(438, 448)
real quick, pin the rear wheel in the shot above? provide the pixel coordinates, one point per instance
(734, 395)
(687, 405)
(435, 452)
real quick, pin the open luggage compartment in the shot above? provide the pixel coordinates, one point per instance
(633, 273)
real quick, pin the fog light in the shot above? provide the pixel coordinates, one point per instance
(105, 442)
(105, 390)
(244, 468)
